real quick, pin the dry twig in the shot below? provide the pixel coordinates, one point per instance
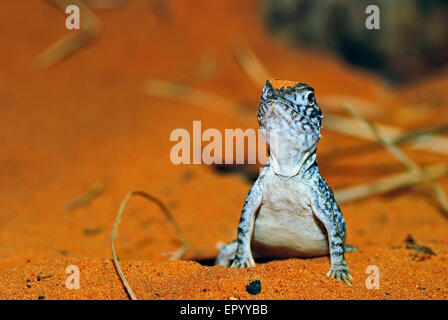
(85, 199)
(74, 40)
(403, 158)
(176, 256)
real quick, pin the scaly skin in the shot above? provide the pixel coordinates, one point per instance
(290, 211)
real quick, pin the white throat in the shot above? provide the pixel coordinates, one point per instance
(287, 161)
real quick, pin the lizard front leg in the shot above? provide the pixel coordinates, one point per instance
(243, 257)
(323, 209)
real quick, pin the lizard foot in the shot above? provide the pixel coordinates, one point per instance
(243, 262)
(341, 273)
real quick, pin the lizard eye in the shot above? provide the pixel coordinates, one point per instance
(310, 98)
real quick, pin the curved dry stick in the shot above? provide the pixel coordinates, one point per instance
(176, 256)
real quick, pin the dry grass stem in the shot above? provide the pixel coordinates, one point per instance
(403, 158)
(191, 96)
(394, 182)
(176, 256)
(74, 40)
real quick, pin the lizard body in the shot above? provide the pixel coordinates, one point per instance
(290, 211)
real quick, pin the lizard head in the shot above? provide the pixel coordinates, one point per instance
(290, 120)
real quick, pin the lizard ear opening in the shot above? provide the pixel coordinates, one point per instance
(310, 98)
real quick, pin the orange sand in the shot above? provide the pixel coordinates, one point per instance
(87, 120)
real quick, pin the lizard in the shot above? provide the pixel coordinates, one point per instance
(290, 211)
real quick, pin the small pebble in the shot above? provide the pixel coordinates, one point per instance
(254, 287)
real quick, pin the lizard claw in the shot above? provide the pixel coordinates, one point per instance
(341, 273)
(243, 262)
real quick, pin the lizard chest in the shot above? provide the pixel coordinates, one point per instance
(285, 224)
(287, 197)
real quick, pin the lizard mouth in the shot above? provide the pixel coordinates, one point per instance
(272, 112)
